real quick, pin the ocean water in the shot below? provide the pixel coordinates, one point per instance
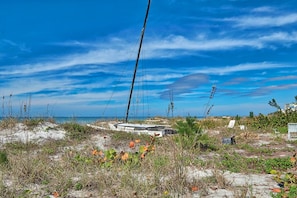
(83, 120)
(60, 120)
(89, 120)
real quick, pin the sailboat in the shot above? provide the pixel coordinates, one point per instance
(150, 129)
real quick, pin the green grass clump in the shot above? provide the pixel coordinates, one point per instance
(3, 158)
(32, 123)
(277, 164)
(238, 163)
(76, 131)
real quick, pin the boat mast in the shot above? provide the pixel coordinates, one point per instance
(136, 64)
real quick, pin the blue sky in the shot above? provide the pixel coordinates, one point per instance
(76, 58)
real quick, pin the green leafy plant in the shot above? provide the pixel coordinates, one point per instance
(277, 163)
(110, 157)
(286, 180)
(78, 186)
(189, 132)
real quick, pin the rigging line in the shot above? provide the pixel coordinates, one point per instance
(122, 74)
(137, 105)
(143, 91)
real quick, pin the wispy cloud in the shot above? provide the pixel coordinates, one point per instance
(243, 67)
(264, 21)
(280, 37)
(185, 84)
(265, 90)
(236, 81)
(5, 43)
(175, 42)
(263, 9)
(118, 50)
(282, 78)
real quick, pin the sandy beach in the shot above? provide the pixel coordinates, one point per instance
(227, 184)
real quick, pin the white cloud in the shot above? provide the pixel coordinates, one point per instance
(116, 51)
(264, 21)
(174, 42)
(280, 36)
(263, 9)
(19, 46)
(243, 67)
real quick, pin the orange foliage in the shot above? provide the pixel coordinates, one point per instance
(125, 156)
(276, 190)
(153, 148)
(132, 144)
(94, 152)
(100, 153)
(56, 194)
(142, 156)
(194, 188)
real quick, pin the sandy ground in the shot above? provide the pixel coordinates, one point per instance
(259, 185)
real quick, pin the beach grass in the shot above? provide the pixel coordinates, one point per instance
(90, 162)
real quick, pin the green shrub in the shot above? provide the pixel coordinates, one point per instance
(3, 157)
(189, 132)
(76, 131)
(277, 164)
(31, 123)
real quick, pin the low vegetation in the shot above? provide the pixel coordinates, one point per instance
(130, 165)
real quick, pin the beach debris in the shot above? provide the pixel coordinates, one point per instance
(231, 124)
(242, 127)
(292, 131)
(249, 135)
(230, 140)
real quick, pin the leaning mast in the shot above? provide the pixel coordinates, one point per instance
(136, 64)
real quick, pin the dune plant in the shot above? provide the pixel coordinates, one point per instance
(31, 123)
(8, 123)
(3, 157)
(189, 132)
(76, 131)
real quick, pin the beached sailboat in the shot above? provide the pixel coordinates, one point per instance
(151, 129)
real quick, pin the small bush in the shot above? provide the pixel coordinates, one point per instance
(76, 131)
(189, 133)
(3, 158)
(31, 123)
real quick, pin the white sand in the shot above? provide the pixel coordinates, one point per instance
(40, 133)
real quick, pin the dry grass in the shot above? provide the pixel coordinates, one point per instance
(8, 122)
(69, 168)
